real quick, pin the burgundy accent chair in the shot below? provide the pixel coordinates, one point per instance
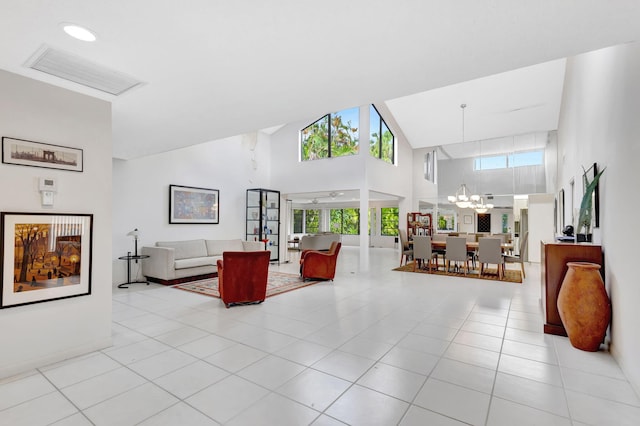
(320, 264)
(242, 276)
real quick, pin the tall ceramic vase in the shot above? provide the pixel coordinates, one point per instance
(584, 306)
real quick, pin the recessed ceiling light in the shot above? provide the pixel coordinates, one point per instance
(79, 32)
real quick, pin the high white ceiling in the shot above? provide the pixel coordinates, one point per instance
(516, 102)
(214, 69)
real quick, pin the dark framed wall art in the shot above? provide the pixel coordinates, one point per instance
(189, 204)
(44, 257)
(37, 154)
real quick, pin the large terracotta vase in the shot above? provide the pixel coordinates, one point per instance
(584, 306)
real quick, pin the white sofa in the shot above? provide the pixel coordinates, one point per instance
(318, 242)
(173, 262)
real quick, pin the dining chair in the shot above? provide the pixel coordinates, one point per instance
(457, 252)
(502, 237)
(440, 251)
(422, 252)
(473, 253)
(405, 250)
(519, 258)
(482, 235)
(490, 252)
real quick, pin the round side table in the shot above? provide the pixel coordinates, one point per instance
(129, 258)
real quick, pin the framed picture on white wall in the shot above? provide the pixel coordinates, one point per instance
(188, 204)
(45, 257)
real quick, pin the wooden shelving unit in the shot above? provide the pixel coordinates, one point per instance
(419, 224)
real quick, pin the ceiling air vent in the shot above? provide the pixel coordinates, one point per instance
(79, 70)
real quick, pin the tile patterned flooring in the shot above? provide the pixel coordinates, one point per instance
(374, 347)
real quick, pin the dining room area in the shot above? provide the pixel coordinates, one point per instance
(472, 255)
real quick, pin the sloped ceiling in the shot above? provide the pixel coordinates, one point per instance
(214, 69)
(516, 102)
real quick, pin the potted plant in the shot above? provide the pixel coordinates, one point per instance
(585, 217)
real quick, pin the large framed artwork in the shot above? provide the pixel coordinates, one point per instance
(37, 154)
(189, 204)
(45, 256)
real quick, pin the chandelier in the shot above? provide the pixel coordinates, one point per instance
(463, 197)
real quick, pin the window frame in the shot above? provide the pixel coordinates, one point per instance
(508, 161)
(306, 221)
(380, 137)
(300, 213)
(342, 225)
(394, 229)
(330, 137)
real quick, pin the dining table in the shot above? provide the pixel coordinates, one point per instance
(471, 245)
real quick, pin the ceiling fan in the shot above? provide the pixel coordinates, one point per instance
(330, 196)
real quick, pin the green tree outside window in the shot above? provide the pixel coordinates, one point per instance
(345, 221)
(334, 135)
(381, 139)
(312, 221)
(315, 140)
(390, 221)
(446, 222)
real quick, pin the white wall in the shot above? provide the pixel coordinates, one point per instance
(141, 192)
(541, 224)
(599, 123)
(42, 333)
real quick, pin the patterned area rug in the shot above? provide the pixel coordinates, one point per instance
(510, 275)
(277, 283)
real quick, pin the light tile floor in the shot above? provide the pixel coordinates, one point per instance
(374, 347)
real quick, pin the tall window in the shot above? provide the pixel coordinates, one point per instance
(298, 217)
(345, 221)
(312, 221)
(334, 135)
(390, 221)
(381, 140)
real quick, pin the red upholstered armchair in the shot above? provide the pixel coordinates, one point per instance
(242, 276)
(320, 264)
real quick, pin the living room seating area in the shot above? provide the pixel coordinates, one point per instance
(173, 262)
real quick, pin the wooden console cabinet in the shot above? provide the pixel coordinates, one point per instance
(553, 263)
